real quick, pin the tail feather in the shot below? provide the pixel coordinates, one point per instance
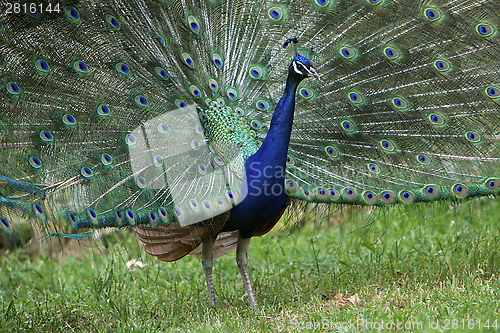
(172, 242)
(223, 244)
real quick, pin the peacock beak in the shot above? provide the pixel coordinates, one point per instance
(312, 72)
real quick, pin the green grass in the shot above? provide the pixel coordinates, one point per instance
(414, 265)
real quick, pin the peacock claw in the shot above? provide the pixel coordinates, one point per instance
(253, 304)
(212, 304)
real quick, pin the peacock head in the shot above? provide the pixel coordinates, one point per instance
(301, 67)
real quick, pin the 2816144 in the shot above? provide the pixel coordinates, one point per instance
(32, 8)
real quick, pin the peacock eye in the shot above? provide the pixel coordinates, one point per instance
(298, 67)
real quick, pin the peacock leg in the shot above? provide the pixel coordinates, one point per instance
(207, 260)
(242, 261)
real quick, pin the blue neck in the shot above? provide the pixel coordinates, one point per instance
(265, 171)
(274, 149)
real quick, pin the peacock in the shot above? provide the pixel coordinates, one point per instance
(198, 123)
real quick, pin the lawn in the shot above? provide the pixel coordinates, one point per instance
(421, 268)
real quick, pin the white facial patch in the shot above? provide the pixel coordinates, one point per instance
(296, 69)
